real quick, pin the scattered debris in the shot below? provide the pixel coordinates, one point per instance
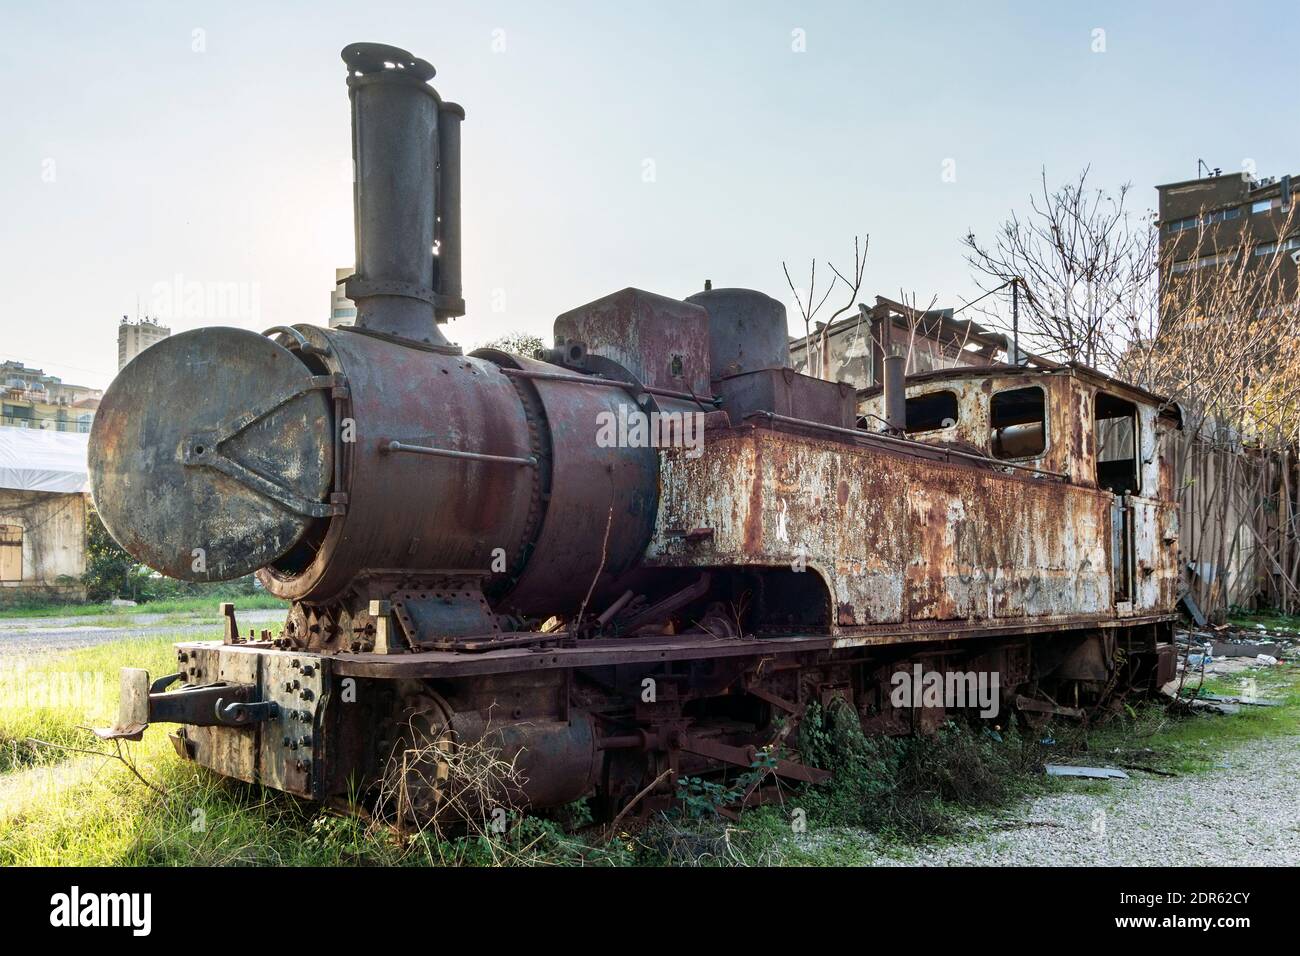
(1192, 608)
(1213, 706)
(1224, 649)
(1252, 701)
(1088, 773)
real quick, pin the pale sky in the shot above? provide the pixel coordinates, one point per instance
(153, 145)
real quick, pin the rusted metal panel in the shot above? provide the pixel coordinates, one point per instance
(408, 510)
(216, 487)
(231, 751)
(279, 751)
(288, 743)
(972, 428)
(1070, 439)
(895, 538)
(600, 499)
(786, 392)
(747, 331)
(1155, 554)
(663, 342)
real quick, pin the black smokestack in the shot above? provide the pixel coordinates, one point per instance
(406, 195)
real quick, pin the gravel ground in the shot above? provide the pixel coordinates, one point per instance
(1245, 813)
(36, 634)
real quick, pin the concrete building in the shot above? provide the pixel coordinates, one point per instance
(853, 348)
(31, 399)
(343, 311)
(1211, 222)
(134, 337)
(44, 490)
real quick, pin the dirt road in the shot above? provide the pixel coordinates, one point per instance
(29, 635)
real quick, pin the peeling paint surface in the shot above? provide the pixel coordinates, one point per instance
(914, 540)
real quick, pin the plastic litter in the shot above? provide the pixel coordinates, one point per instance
(1088, 773)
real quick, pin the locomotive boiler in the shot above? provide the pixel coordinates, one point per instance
(641, 556)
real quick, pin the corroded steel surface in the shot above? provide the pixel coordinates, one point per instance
(663, 342)
(747, 331)
(600, 502)
(193, 441)
(1071, 450)
(415, 511)
(894, 537)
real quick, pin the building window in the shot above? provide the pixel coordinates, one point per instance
(1192, 222)
(1268, 248)
(11, 552)
(928, 413)
(1187, 265)
(1265, 205)
(1018, 420)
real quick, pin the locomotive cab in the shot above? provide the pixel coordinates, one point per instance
(1070, 424)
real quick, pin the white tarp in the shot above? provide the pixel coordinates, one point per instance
(38, 459)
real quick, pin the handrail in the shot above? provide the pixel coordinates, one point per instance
(858, 433)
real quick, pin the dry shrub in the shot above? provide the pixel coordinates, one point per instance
(438, 785)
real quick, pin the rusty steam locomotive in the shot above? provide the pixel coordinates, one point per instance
(470, 559)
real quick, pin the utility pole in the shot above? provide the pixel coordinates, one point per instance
(1015, 321)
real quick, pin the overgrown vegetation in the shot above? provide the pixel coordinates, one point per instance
(910, 786)
(518, 343)
(1271, 620)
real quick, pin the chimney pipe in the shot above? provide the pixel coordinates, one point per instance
(449, 289)
(895, 391)
(406, 195)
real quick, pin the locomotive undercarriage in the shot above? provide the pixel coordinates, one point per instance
(457, 733)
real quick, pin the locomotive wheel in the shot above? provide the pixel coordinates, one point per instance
(417, 773)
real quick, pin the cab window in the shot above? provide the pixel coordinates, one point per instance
(1115, 423)
(931, 412)
(1018, 423)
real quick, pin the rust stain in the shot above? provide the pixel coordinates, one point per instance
(753, 537)
(897, 537)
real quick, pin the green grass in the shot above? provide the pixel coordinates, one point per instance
(60, 807)
(1270, 619)
(1154, 738)
(64, 808)
(110, 613)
